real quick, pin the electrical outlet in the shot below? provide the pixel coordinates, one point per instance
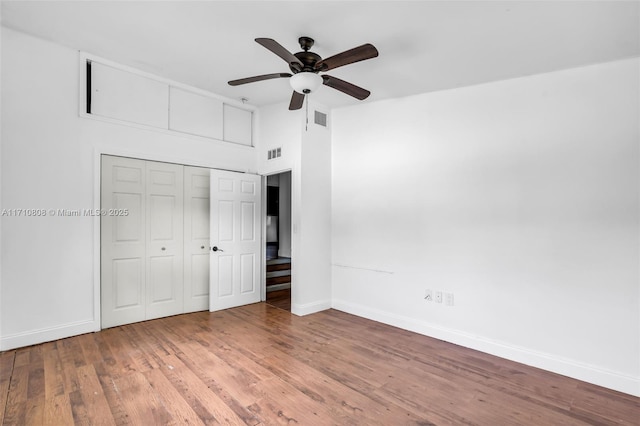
(448, 299)
(438, 297)
(428, 295)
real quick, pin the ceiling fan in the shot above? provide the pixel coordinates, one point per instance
(306, 65)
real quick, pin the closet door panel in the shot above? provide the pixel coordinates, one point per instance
(161, 269)
(123, 251)
(127, 283)
(235, 231)
(155, 259)
(129, 227)
(196, 239)
(164, 225)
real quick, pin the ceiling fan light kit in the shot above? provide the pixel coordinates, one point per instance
(306, 65)
(305, 82)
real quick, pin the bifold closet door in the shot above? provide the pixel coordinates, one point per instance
(165, 239)
(196, 239)
(141, 251)
(235, 239)
(123, 241)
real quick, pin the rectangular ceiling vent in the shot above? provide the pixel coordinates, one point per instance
(274, 153)
(320, 119)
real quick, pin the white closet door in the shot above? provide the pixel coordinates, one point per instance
(236, 240)
(196, 239)
(156, 259)
(123, 254)
(165, 254)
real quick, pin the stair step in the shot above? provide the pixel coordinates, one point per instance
(279, 280)
(278, 274)
(278, 287)
(279, 260)
(278, 267)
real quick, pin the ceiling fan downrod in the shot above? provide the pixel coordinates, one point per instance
(307, 58)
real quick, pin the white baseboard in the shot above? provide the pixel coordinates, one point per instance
(42, 335)
(549, 362)
(310, 308)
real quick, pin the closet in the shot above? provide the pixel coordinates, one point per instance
(154, 233)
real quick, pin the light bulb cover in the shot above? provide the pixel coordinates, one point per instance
(305, 82)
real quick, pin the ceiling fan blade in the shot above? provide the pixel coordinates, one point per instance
(277, 48)
(357, 54)
(297, 99)
(258, 78)
(345, 87)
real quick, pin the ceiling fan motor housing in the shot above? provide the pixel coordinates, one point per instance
(308, 59)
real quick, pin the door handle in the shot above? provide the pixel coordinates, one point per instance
(215, 248)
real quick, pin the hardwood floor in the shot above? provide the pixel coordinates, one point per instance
(260, 365)
(280, 299)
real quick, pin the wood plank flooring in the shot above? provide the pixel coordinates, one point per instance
(260, 365)
(280, 299)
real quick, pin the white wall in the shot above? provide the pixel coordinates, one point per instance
(520, 197)
(307, 153)
(315, 219)
(277, 127)
(50, 161)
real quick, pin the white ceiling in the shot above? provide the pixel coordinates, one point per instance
(424, 45)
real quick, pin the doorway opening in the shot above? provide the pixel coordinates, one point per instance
(278, 241)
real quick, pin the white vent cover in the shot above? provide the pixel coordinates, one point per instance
(320, 119)
(274, 153)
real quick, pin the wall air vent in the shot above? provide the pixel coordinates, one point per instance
(320, 118)
(274, 153)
